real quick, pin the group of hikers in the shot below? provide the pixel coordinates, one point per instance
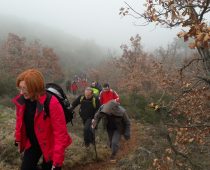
(39, 135)
(78, 83)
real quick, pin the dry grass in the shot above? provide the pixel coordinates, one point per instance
(9, 157)
(75, 154)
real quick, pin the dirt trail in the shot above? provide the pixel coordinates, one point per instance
(126, 147)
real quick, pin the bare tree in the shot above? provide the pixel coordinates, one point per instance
(191, 15)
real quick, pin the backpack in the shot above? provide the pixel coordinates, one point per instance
(93, 101)
(53, 89)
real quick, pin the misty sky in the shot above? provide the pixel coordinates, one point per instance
(96, 20)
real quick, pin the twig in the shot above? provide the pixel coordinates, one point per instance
(189, 126)
(188, 64)
(140, 15)
(180, 153)
(204, 10)
(161, 97)
(205, 79)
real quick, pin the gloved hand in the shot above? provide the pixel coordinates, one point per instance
(93, 125)
(71, 109)
(56, 168)
(16, 143)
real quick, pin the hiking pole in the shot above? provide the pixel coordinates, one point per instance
(94, 140)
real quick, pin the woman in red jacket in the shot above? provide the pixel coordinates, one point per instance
(35, 135)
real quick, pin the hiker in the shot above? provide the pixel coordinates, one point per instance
(116, 122)
(96, 91)
(98, 86)
(68, 85)
(74, 88)
(89, 104)
(108, 94)
(34, 135)
(84, 84)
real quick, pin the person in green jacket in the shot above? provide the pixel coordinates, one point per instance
(96, 91)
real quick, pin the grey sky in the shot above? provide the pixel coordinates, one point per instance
(96, 20)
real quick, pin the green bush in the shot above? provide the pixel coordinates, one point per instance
(7, 85)
(7, 89)
(137, 107)
(6, 101)
(155, 97)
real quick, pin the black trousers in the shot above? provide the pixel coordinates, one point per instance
(88, 133)
(31, 158)
(114, 139)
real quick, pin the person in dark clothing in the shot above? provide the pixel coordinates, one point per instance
(68, 86)
(98, 86)
(89, 104)
(116, 122)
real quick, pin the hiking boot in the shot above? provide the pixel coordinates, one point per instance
(93, 143)
(87, 148)
(87, 145)
(113, 159)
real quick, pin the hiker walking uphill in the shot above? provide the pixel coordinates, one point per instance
(116, 122)
(74, 88)
(96, 90)
(68, 86)
(108, 94)
(89, 104)
(35, 135)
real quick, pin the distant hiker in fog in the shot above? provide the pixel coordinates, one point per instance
(68, 86)
(108, 94)
(84, 84)
(76, 78)
(98, 85)
(89, 104)
(74, 87)
(34, 135)
(116, 122)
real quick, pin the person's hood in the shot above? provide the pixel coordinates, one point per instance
(113, 108)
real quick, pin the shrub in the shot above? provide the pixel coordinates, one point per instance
(7, 85)
(137, 107)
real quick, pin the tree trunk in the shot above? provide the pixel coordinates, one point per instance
(205, 55)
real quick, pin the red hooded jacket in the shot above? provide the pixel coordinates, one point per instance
(106, 96)
(74, 87)
(51, 132)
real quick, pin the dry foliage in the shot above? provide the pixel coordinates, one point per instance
(191, 15)
(187, 131)
(17, 55)
(188, 135)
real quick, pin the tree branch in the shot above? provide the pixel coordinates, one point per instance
(188, 126)
(205, 79)
(180, 153)
(204, 10)
(188, 64)
(142, 16)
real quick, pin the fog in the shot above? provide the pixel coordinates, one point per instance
(95, 20)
